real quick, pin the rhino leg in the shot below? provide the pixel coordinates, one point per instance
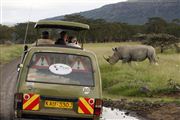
(152, 59)
(126, 60)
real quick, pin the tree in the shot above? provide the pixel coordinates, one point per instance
(20, 30)
(173, 28)
(156, 25)
(5, 33)
(176, 21)
(161, 40)
(103, 31)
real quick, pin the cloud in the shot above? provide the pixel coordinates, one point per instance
(14, 11)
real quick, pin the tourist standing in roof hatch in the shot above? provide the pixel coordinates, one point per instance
(73, 42)
(63, 38)
(45, 39)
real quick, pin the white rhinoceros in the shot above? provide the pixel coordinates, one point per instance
(130, 53)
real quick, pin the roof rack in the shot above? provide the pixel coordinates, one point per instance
(58, 24)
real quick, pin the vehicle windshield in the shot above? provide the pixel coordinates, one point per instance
(69, 69)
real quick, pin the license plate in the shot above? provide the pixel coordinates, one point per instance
(58, 104)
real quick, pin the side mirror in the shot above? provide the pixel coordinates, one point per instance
(25, 48)
(25, 51)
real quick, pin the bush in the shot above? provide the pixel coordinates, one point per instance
(163, 41)
(8, 43)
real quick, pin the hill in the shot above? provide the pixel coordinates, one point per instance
(134, 11)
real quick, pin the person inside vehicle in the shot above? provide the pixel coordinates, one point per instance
(45, 40)
(63, 38)
(73, 42)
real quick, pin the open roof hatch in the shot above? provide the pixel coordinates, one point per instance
(64, 25)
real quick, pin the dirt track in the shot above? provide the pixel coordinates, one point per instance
(8, 77)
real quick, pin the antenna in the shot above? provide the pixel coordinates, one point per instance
(25, 37)
(27, 27)
(25, 46)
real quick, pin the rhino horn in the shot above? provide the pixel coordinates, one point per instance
(114, 49)
(107, 59)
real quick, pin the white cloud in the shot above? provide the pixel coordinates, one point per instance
(1, 11)
(14, 11)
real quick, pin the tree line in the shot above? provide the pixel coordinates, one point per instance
(100, 30)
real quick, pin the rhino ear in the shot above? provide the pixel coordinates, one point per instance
(114, 49)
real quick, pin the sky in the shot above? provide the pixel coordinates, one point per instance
(16, 11)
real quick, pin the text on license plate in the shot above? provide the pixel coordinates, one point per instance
(58, 104)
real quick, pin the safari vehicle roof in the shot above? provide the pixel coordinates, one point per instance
(58, 24)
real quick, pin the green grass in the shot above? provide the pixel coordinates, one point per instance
(121, 79)
(9, 52)
(124, 80)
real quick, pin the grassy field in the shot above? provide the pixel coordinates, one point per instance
(9, 52)
(122, 79)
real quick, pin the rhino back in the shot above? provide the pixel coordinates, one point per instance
(135, 52)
